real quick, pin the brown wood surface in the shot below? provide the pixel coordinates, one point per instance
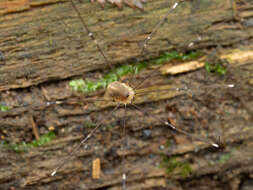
(46, 42)
(43, 46)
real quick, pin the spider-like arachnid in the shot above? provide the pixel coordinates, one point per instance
(148, 124)
(124, 95)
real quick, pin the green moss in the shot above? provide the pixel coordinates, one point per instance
(109, 126)
(169, 56)
(3, 108)
(77, 85)
(224, 158)
(44, 139)
(88, 124)
(174, 164)
(168, 144)
(217, 68)
(81, 85)
(185, 169)
(23, 147)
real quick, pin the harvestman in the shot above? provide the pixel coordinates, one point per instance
(123, 94)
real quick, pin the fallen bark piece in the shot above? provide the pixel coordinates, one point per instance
(96, 168)
(239, 56)
(234, 57)
(182, 68)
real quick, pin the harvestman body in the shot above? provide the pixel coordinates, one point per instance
(120, 92)
(123, 94)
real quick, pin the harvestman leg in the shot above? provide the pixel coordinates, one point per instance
(98, 125)
(124, 131)
(124, 148)
(177, 129)
(145, 43)
(91, 35)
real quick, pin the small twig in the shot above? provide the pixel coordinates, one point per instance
(35, 129)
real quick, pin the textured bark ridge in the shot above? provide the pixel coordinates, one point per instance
(49, 37)
(43, 46)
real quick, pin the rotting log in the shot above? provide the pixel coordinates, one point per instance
(227, 113)
(47, 36)
(208, 167)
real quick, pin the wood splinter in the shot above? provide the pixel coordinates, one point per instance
(35, 129)
(96, 168)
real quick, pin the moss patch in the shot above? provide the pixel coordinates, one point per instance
(217, 68)
(224, 158)
(23, 147)
(3, 108)
(81, 85)
(172, 164)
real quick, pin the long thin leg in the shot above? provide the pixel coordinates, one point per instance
(83, 100)
(177, 129)
(158, 25)
(185, 88)
(124, 148)
(143, 80)
(91, 35)
(145, 43)
(80, 144)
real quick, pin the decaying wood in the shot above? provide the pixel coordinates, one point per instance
(49, 37)
(15, 6)
(235, 57)
(96, 168)
(42, 39)
(142, 172)
(182, 68)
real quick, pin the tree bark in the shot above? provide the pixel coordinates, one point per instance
(43, 45)
(47, 36)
